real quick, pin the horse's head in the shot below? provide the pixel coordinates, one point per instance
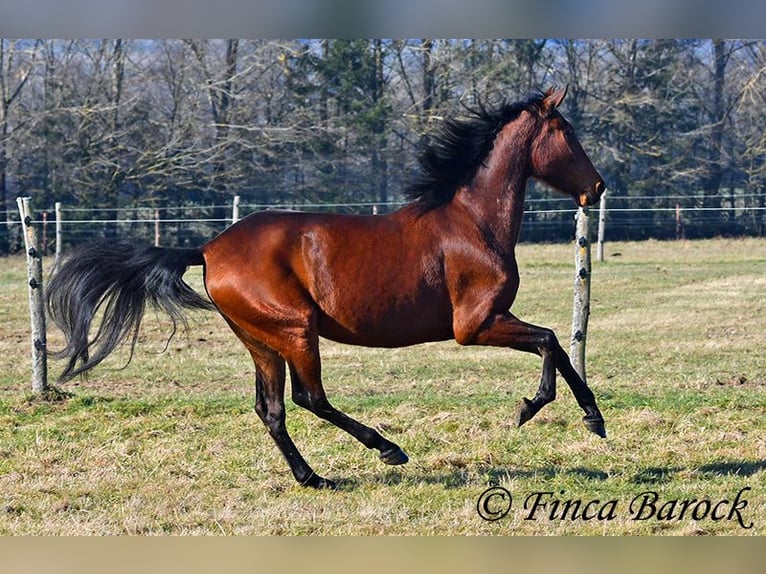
(557, 156)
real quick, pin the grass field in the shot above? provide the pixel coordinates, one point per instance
(171, 445)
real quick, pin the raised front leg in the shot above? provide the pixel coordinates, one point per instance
(505, 330)
(593, 419)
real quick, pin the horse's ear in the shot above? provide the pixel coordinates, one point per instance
(552, 99)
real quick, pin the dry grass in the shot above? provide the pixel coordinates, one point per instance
(170, 445)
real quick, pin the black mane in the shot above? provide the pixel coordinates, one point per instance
(455, 150)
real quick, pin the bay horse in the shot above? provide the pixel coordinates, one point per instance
(441, 267)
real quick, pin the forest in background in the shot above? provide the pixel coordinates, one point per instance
(127, 122)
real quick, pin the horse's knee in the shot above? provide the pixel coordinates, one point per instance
(548, 342)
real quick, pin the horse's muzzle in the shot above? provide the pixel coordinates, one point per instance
(592, 195)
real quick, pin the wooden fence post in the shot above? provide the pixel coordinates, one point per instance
(679, 223)
(581, 307)
(36, 306)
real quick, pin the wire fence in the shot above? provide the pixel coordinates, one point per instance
(545, 220)
(52, 231)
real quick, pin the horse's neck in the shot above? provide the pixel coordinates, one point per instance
(496, 195)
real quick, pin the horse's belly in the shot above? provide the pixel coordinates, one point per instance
(388, 328)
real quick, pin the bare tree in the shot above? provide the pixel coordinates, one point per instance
(112, 122)
(219, 82)
(718, 112)
(17, 59)
(752, 133)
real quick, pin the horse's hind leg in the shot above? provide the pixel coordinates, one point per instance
(307, 392)
(270, 407)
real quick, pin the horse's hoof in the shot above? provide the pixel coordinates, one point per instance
(316, 481)
(394, 456)
(526, 411)
(595, 425)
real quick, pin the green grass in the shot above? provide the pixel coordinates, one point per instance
(170, 444)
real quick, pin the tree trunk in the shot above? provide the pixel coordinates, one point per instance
(378, 160)
(429, 81)
(9, 93)
(4, 132)
(718, 116)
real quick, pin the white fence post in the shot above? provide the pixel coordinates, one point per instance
(36, 306)
(156, 227)
(581, 307)
(57, 209)
(235, 210)
(601, 227)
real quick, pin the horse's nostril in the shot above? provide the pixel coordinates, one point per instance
(600, 187)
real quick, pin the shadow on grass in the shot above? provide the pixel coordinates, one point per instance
(737, 468)
(462, 477)
(655, 475)
(664, 474)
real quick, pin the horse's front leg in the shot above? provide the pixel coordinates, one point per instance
(505, 330)
(593, 419)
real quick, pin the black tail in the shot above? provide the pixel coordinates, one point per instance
(119, 278)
